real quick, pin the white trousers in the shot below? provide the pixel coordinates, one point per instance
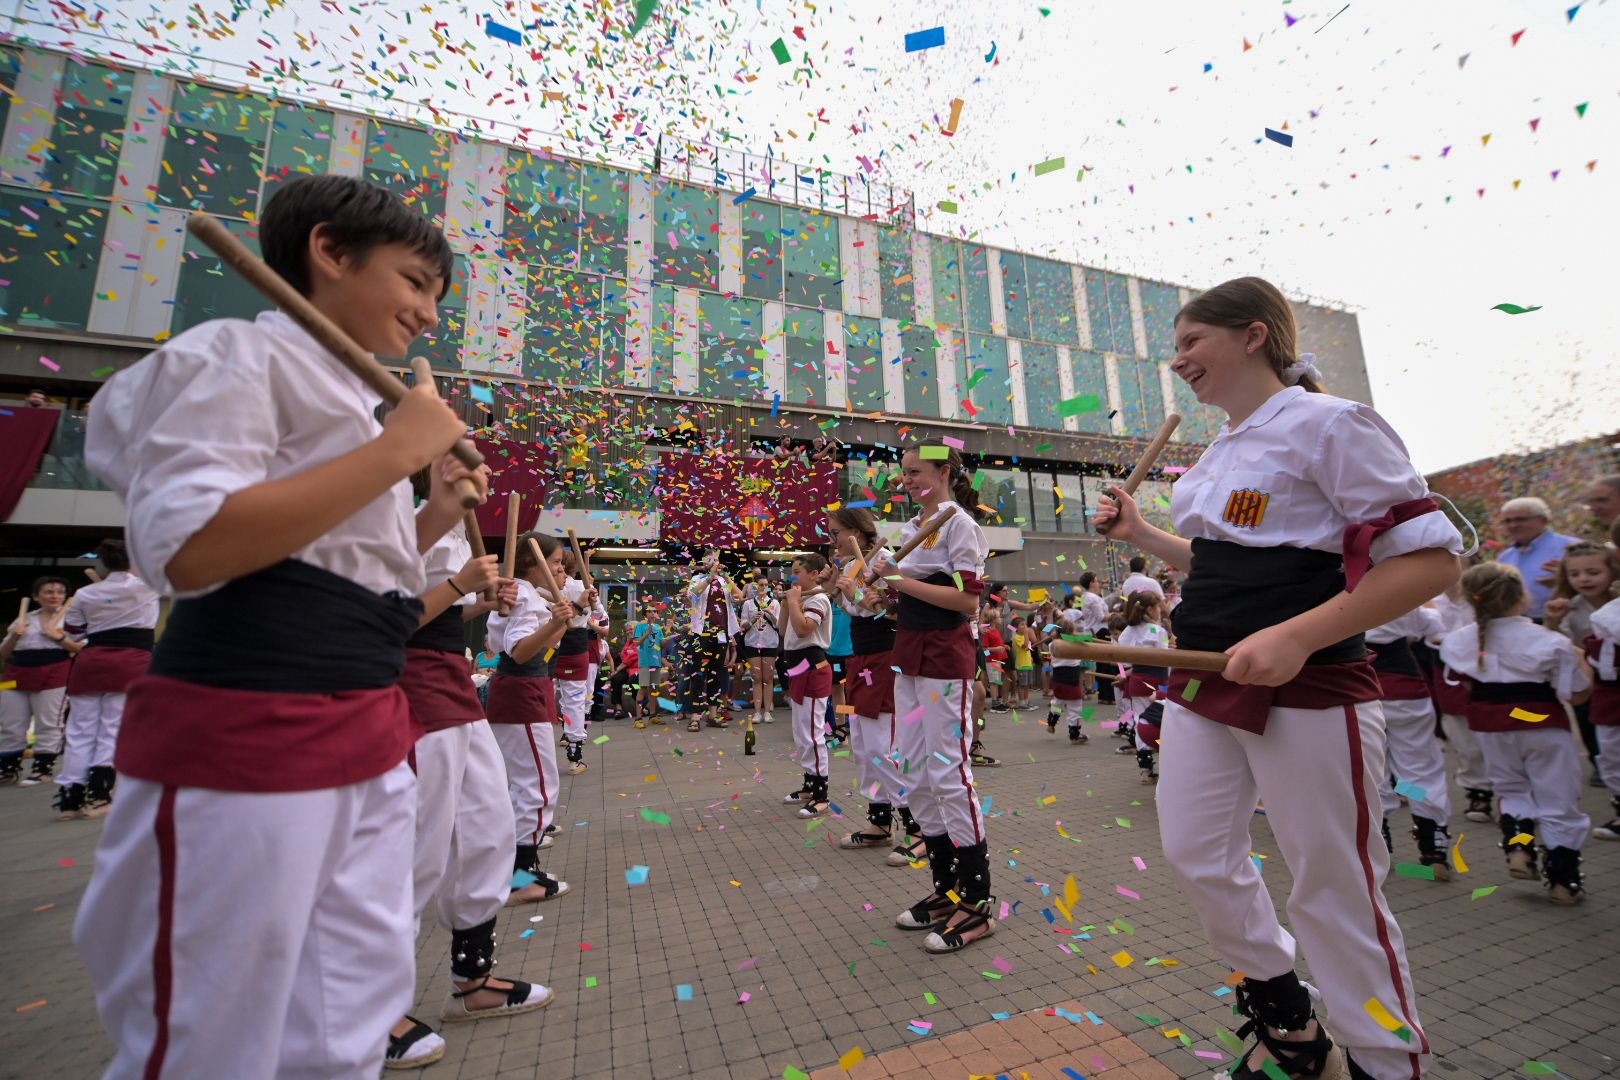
(573, 702)
(809, 739)
(1537, 775)
(1608, 759)
(1415, 757)
(44, 707)
(248, 935)
(933, 745)
(530, 751)
(1071, 712)
(1470, 774)
(464, 837)
(92, 735)
(873, 743)
(1319, 772)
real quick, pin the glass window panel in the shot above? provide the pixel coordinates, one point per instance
(300, 145)
(413, 162)
(10, 68)
(987, 370)
(442, 345)
(1042, 387)
(611, 322)
(947, 265)
(208, 289)
(662, 367)
(561, 328)
(1141, 403)
(214, 151)
(863, 363)
(50, 246)
(810, 254)
(606, 215)
(542, 210)
(731, 333)
(1051, 301)
(920, 353)
(1015, 294)
(1110, 309)
(1069, 491)
(1159, 306)
(999, 489)
(762, 249)
(805, 332)
(976, 286)
(89, 129)
(1043, 503)
(895, 274)
(686, 235)
(1091, 377)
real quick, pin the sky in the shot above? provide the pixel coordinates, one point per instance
(1440, 163)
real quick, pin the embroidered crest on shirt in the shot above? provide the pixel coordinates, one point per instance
(1246, 508)
(933, 538)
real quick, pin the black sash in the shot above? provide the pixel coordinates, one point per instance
(1395, 658)
(1502, 693)
(575, 640)
(1152, 674)
(39, 657)
(123, 637)
(442, 632)
(1234, 591)
(536, 668)
(812, 655)
(870, 635)
(918, 614)
(290, 628)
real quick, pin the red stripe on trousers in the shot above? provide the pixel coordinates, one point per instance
(540, 772)
(1363, 831)
(817, 738)
(162, 954)
(965, 722)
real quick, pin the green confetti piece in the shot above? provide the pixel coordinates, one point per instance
(790, 1073)
(852, 966)
(1274, 1071)
(1150, 1021)
(1079, 405)
(1486, 891)
(1233, 1043)
(590, 982)
(947, 206)
(1515, 309)
(1127, 928)
(1049, 165)
(1403, 1033)
(996, 975)
(1540, 1068)
(779, 50)
(102, 372)
(654, 816)
(644, 10)
(1123, 822)
(600, 740)
(1191, 690)
(978, 373)
(934, 453)
(1415, 870)
(930, 998)
(1043, 448)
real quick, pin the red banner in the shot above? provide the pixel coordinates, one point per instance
(515, 466)
(24, 435)
(730, 501)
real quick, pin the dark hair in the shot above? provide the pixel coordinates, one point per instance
(1614, 533)
(113, 555)
(1242, 301)
(525, 561)
(811, 562)
(1493, 589)
(359, 216)
(1086, 579)
(1611, 559)
(1138, 604)
(41, 582)
(1138, 564)
(956, 475)
(1116, 622)
(858, 518)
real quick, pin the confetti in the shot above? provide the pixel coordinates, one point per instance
(1050, 165)
(779, 50)
(1280, 137)
(851, 1059)
(683, 992)
(1527, 716)
(1515, 309)
(636, 875)
(918, 40)
(52, 364)
(502, 33)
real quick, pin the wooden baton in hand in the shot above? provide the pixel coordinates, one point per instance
(475, 541)
(545, 570)
(579, 557)
(1190, 659)
(466, 490)
(296, 306)
(1144, 464)
(514, 504)
(929, 528)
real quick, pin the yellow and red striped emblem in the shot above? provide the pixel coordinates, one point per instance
(1246, 508)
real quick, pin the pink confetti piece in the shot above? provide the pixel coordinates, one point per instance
(914, 715)
(1002, 965)
(804, 665)
(1123, 891)
(1211, 1054)
(745, 996)
(52, 364)
(1065, 948)
(955, 444)
(748, 963)
(868, 907)
(1004, 909)
(1137, 859)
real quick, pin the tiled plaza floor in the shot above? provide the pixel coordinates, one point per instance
(744, 898)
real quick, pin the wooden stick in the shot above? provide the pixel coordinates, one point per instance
(1190, 659)
(579, 557)
(475, 540)
(295, 305)
(22, 613)
(90, 572)
(514, 505)
(928, 529)
(466, 490)
(545, 570)
(1144, 464)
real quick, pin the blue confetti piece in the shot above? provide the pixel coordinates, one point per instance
(1001, 1016)
(1094, 1018)
(744, 197)
(776, 403)
(636, 875)
(1281, 137)
(522, 879)
(863, 504)
(683, 992)
(1071, 1074)
(918, 40)
(837, 812)
(502, 33)
(483, 394)
(1222, 991)
(1411, 791)
(1049, 916)
(527, 933)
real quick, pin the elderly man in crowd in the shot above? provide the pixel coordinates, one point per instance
(1535, 550)
(1603, 499)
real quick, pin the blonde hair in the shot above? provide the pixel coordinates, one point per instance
(1585, 550)
(1493, 590)
(1238, 303)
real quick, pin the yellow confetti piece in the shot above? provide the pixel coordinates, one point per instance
(1071, 891)
(1527, 716)
(950, 894)
(1376, 1010)
(852, 1059)
(1456, 855)
(1521, 838)
(11, 685)
(1173, 1033)
(1061, 906)
(1123, 958)
(1049, 800)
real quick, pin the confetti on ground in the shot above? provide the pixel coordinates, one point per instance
(683, 992)
(1531, 1068)
(1483, 892)
(32, 1005)
(636, 875)
(1123, 959)
(654, 816)
(790, 1073)
(851, 1059)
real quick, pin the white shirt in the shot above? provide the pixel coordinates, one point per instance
(447, 556)
(818, 609)
(1418, 623)
(1145, 636)
(958, 547)
(1577, 621)
(32, 636)
(574, 591)
(230, 404)
(1298, 472)
(1136, 583)
(697, 595)
(118, 600)
(1073, 621)
(1606, 625)
(1093, 612)
(759, 620)
(530, 610)
(855, 610)
(1452, 614)
(1516, 650)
